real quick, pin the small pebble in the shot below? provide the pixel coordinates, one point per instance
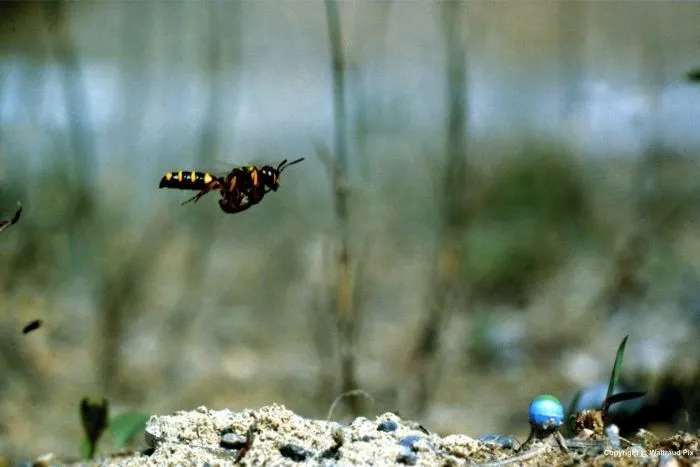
(294, 452)
(232, 441)
(410, 441)
(668, 460)
(613, 434)
(505, 442)
(331, 453)
(406, 456)
(387, 426)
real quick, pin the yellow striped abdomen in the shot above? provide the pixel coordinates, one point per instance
(186, 180)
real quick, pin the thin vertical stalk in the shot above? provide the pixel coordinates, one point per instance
(443, 287)
(138, 23)
(345, 310)
(371, 33)
(208, 145)
(83, 147)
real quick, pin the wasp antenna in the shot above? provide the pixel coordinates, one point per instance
(282, 166)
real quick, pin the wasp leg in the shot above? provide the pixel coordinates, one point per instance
(196, 197)
(215, 184)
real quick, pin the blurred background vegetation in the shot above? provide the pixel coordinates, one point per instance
(493, 195)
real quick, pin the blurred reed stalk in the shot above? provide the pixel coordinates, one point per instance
(445, 283)
(201, 224)
(370, 37)
(624, 285)
(346, 319)
(82, 144)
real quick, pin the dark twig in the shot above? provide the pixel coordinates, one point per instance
(15, 218)
(249, 438)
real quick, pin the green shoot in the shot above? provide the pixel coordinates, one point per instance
(611, 399)
(95, 418)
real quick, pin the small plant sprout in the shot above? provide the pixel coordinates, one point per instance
(94, 414)
(594, 420)
(611, 398)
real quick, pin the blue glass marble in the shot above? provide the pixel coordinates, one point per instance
(546, 412)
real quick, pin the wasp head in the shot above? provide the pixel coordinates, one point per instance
(270, 177)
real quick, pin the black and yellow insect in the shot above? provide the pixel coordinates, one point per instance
(240, 189)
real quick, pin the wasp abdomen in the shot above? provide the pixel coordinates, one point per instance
(186, 180)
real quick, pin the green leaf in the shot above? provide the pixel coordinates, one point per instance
(127, 426)
(623, 396)
(574, 403)
(615, 376)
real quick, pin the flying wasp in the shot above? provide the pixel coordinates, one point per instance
(240, 189)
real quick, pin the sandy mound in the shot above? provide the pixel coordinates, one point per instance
(275, 436)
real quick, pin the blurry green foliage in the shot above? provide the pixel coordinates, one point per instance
(126, 427)
(668, 196)
(530, 214)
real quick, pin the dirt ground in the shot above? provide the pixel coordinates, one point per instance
(273, 435)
